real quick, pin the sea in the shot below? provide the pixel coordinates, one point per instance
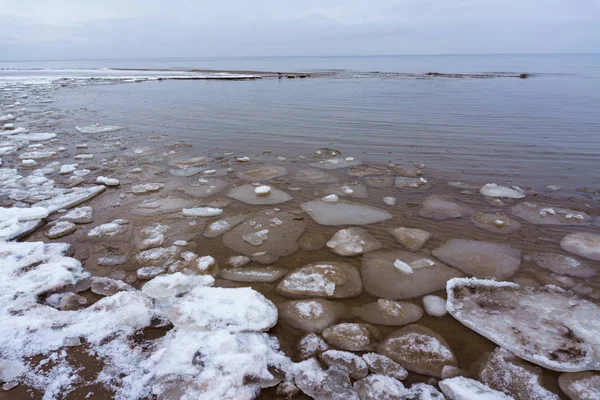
(544, 129)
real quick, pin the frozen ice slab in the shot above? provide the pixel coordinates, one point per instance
(315, 176)
(496, 223)
(253, 274)
(336, 163)
(353, 242)
(261, 173)
(70, 198)
(146, 188)
(544, 214)
(418, 349)
(366, 170)
(346, 361)
(435, 305)
(503, 371)
(311, 345)
(325, 279)
(79, 215)
(375, 387)
(343, 213)
(331, 384)
(159, 205)
(546, 326)
(219, 227)
(402, 182)
(60, 229)
(201, 212)
(442, 207)
(580, 385)
(205, 188)
(382, 279)
(383, 365)
(495, 190)
(246, 194)
(461, 388)
(381, 181)
(561, 265)
(480, 259)
(388, 312)
(98, 128)
(411, 238)
(175, 284)
(351, 189)
(352, 336)
(284, 229)
(584, 244)
(312, 315)
(16, 222)
(233, 310)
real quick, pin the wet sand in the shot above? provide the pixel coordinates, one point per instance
(116, 154)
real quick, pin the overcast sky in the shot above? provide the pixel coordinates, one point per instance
(84, 29)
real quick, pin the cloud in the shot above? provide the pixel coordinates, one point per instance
(36, 29)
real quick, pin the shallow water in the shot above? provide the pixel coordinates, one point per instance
(503, 130)
(528, 132)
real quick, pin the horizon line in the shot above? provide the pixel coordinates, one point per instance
(302, 56)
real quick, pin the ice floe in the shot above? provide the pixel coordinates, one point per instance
(234, 310)
(98, 128)
(352, 336)
(383, 365)
(382, 279)
(146, 188)
(503, 371)
(435, 305)
(494, 190)
(402, 182)
(60, 229)
(266, 274)
(172, 285)
(350, 189)
(480, 259)
(461, 388)
(544, 214)
(262, 173)
(580, 385)
(283, 230)
(79, 215)
(331, 384)
(353, 241)
(219, 227)
(584, 244)
(311, 345)
(342, 213)
(315, 176)
(201, 212)
(327, 279)
(388, 312)
(411, 238)
(546, 326)
(376, 387)
(418, 349)
(442, 207)
(562, 265)
(247, 194)
(354, 365)
(313, 315)
(336, 163)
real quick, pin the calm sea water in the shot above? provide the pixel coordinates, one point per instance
(545, 129)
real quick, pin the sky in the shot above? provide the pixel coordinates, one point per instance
(94, 29)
